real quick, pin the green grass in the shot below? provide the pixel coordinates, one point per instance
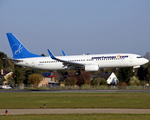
(78, 117)
(74, 100)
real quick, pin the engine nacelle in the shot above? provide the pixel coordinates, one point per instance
(91, 67)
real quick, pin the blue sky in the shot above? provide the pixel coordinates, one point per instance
(77, 26)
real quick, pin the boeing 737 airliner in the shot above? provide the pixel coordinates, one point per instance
(75, 62)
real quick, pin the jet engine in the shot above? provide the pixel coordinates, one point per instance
(91, 67)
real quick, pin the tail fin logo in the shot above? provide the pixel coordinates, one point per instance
(17, 49)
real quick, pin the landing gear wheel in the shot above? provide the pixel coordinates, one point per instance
(77, 73)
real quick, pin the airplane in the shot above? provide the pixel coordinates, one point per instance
(23, 57)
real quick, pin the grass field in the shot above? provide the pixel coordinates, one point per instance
(74, 100)
(78, 117)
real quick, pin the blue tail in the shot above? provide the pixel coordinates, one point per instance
(18, 50)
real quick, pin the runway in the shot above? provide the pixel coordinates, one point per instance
(78, 90)
(73, 111)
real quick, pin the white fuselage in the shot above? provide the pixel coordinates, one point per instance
(102, 60)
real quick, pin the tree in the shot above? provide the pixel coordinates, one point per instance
(28, 72)
(124, 74)
(103, 81)
(3, 60)
(18, 75)
(106, 70)
(71, 81)
(98, 81)
(57, 75)
(35, 79)
(84, 78)
(148, 73)
(94, 82)
(134, 81)
(1, 64)
(143, 83)
(11, 65)
(141, 73)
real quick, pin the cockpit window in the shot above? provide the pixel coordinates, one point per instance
(139, 57)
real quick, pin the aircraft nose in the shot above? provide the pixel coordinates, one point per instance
(145, 60)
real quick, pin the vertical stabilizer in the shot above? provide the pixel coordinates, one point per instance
(18, 49)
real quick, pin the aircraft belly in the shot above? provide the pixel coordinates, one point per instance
(111, 64)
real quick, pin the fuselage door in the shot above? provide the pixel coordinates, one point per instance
(130, 59)
(33, 63)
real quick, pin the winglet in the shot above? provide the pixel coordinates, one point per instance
(64, 54)
(51, 54)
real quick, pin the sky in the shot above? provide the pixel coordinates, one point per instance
(77, 26)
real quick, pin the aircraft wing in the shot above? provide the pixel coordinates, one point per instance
(65, 62)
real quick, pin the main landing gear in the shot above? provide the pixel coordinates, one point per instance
(78, 72)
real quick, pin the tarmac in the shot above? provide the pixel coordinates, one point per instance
(73, 111)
